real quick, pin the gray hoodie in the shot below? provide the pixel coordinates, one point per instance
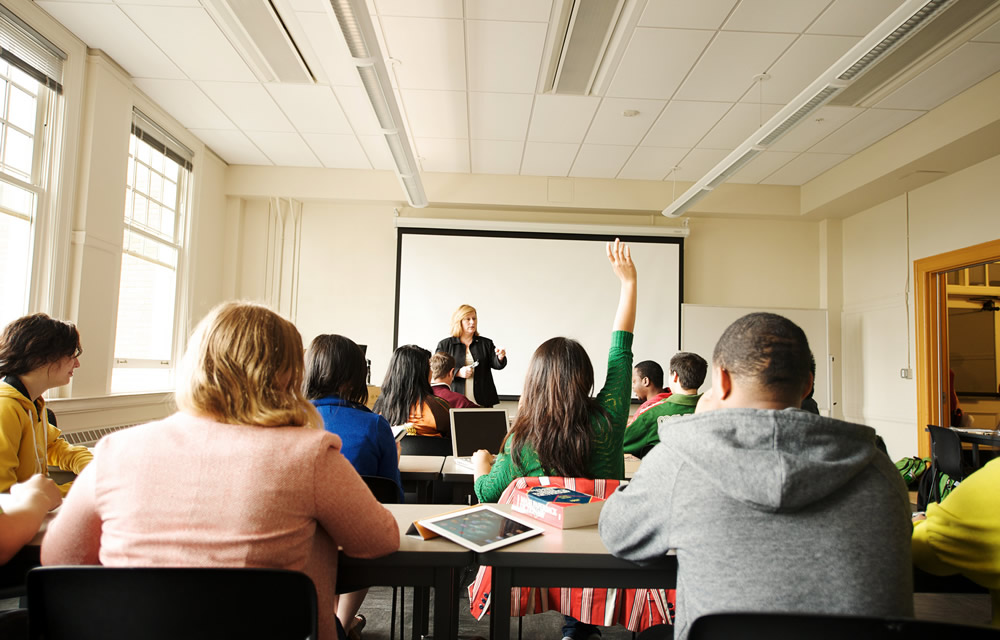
(769, 511)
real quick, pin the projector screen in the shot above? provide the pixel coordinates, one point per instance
(529, 287)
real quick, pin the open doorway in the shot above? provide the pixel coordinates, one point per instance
(934, 303)
(974, 344)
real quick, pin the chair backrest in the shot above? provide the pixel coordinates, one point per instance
(385, 490)
(750, 626)
(109, 603)
(946, 451)
(425, 446)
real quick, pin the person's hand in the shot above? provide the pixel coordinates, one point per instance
(38, 487)
(501, 353)
(483, 456)
(620, 257)
(466, 372)
(918, 516)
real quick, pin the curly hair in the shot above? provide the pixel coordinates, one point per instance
(35, 341)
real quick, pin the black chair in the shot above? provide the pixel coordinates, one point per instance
(386, 491)
(946, 457)
(106, 603)
(425, 446)
(753, 626)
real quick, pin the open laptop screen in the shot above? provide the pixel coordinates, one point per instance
(475, 429)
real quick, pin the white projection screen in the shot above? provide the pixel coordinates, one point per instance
(529, 287)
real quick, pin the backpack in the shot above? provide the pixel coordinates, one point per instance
(911, 469)
(945, 485)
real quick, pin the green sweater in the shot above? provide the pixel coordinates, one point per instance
(644, 430)
(606, 457)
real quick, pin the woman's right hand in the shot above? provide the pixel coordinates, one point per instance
(620, 257)
(465, 372)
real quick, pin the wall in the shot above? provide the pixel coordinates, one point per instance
(879, 246)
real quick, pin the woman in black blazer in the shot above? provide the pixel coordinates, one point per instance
(485, 357)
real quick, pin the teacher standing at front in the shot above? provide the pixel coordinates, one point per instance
(475, 358)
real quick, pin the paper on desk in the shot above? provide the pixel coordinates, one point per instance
(417, 530)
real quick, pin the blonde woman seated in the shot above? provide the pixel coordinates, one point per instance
(242, 475)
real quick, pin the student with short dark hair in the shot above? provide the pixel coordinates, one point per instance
(442, 375)
(687, 373)
(37, 353)
(803, 508)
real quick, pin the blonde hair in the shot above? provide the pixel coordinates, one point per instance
(461, 313)
(244, 365)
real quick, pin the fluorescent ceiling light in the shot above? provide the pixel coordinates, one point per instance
(356, 25)
(257, 32)
(894, 30)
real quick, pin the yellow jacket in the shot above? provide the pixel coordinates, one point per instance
(28, 443)
(962, 533)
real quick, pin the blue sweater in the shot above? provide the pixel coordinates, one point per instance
(367, 439)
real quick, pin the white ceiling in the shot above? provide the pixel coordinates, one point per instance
(466, 77)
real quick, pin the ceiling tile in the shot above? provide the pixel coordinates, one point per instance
(183, 100)
(337, 151)
(643, 73)
(232, 146)
(248, 105)
(600, 160)
(499, 116)
(430, 52)
(727, 68)
(174, 29)
(683, 124)
(561, 118)
(504, 56)
(436, 114)
(377, 150)
(814, 128)
(163, 3)
(797, 68)
(737, 125)
(358, 109)
(762, 166)
(548, 158)
(496, 156)
(518, 10)
(311, 108)
(422, 9)
(956, 72)
(804, 168)
(864, 130)
(697, 163)
(284, 149)
(777, 16)
(652, 163)
(989, 35)
(308, 5)
(442, 155)
(611, 127)
(685, 14)
(330, 48)
(107, 28)
(853, 17)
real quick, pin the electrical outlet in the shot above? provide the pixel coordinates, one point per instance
(906, 373)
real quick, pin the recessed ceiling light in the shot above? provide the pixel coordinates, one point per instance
(630, 113)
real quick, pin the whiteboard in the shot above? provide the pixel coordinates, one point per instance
(703, 325)
(527, 288)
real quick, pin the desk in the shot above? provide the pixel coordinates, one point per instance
(418, 563)
(976, 437)
(420, 470)
(631, 466)
(564, 558)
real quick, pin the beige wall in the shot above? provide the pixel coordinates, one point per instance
(879, 246)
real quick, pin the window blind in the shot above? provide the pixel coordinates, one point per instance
(157, 137)
(30, 51)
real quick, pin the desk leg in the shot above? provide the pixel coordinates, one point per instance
(500, 604)
(418, 625)
(445, 605)
(975, 455)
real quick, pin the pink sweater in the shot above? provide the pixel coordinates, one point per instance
(188, 491)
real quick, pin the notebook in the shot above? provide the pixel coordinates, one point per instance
(475, 429)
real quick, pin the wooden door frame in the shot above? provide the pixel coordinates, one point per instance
(931, 300)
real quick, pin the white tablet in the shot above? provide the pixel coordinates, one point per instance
(481, 528)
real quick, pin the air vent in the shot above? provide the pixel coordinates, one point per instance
(90, 437)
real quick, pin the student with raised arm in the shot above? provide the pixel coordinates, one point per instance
(560, 430)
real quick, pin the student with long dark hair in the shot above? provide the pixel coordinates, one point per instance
(37, 353)
(407, 397)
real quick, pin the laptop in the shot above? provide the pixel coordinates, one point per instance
(475, 429)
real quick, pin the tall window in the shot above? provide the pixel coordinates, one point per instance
(30, 69)
(156, 190)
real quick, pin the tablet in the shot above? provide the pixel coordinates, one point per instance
(481, 528)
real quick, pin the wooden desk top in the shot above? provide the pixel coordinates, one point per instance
(421, 464)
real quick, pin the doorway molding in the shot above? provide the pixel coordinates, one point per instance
(931, 301)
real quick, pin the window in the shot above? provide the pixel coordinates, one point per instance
(156, 190)
(30, 70)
